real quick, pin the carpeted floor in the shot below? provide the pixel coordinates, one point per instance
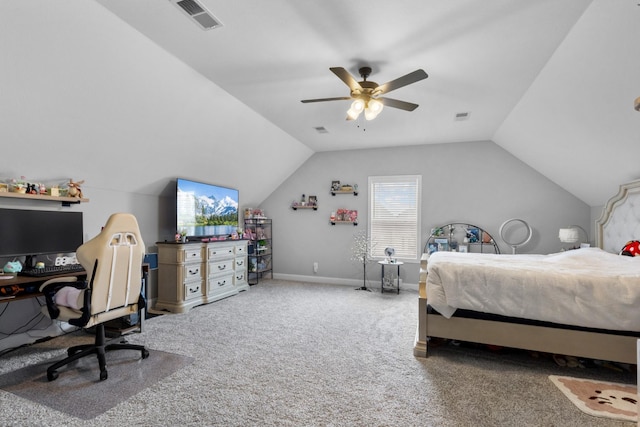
(302, 354)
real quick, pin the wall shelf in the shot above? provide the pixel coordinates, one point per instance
(343, 222)
(334, 192)
(295, 207)
(66, 201)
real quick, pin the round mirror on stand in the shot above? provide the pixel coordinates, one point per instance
(515, 233)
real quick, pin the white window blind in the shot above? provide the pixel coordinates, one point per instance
(394, 215)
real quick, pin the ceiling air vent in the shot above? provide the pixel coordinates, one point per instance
(198, 13)
(461, 116)
(321, 129)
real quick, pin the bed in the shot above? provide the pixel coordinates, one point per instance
(581, 302)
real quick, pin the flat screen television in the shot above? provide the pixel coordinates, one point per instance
(34, 232)
(205, 210)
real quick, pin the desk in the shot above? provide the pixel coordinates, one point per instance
(389, 281)
(21, 287)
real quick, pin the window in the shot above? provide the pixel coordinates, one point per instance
(394, 215)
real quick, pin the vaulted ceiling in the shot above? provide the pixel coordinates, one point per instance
(552, 82)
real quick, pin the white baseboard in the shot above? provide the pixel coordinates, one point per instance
(337, 281)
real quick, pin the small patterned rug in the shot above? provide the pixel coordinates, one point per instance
(600, 398)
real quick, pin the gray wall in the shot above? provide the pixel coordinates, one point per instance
(476, 182)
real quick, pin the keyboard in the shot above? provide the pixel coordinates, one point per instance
(51, 270)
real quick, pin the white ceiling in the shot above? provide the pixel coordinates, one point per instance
(545, 79)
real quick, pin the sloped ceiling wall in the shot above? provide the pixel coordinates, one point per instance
(85, 96)
(576, 123)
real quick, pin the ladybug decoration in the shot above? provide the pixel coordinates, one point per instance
(631, 248)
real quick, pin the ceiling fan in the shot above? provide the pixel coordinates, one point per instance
(367, 94)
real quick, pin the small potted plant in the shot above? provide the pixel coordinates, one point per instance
(181, 236)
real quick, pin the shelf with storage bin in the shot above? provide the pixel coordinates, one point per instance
(65, 200)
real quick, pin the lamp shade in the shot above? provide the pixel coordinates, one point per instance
(374, 107)
(569, 235)
(357, 107)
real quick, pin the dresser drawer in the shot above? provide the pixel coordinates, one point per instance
(240, 264)
(220, 284)
(191, 273)
(220, 251)
(241, 249)
(192, 290)
(221, 267)
(178, 254)
(240, 277)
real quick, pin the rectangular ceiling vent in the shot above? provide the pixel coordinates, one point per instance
(321, 129)
(198, 13)
(461, 116)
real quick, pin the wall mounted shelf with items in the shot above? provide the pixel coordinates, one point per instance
(344, 216)
(337, 188)
(311, 203)
(65, 200)
(460, 237)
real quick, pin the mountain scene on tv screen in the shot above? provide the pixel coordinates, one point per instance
(212, 211)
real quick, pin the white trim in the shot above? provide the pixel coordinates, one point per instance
(374, 284)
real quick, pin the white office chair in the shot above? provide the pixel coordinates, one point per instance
(113, 261)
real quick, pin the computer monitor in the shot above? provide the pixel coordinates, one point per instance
(34, 232)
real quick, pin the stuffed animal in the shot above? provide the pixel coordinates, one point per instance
(631, 248)
(74, 188)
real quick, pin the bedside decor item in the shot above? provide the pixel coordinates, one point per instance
(389, 253)
(514, 242)
(360, 250)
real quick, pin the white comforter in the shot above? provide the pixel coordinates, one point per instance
(583, 287)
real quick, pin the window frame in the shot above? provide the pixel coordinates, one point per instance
(412, 181)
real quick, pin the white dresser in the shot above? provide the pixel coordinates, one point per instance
(191, 274)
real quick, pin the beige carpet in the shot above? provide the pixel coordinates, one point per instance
(600, 398)
(79, 392)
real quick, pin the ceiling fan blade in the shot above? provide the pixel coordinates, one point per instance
(341, 98)
(346, 77)
(394, 103)
(407, 79)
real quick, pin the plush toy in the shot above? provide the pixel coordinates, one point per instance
(12, 267)
(631, 248)
(74, 189)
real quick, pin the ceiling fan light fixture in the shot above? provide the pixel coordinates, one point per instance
(374, 107)
(357, 107)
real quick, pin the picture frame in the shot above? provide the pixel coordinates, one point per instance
(313, 201)
(4, 188)
(335, 185)
(442, 244)
(473, 234)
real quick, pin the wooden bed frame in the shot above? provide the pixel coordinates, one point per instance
(620, 222)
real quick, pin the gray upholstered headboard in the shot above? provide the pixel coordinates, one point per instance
(620, 220)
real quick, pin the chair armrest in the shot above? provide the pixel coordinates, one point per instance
(51, 286)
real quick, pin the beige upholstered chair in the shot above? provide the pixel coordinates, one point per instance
(113, 261)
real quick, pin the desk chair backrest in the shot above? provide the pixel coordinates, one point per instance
(116, 278)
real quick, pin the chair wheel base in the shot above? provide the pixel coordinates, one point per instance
(103, 375)
(145, 353)
(51, 376)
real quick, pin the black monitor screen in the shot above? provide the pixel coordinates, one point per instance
(33, 232)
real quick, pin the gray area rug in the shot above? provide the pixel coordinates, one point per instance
(79, 392)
